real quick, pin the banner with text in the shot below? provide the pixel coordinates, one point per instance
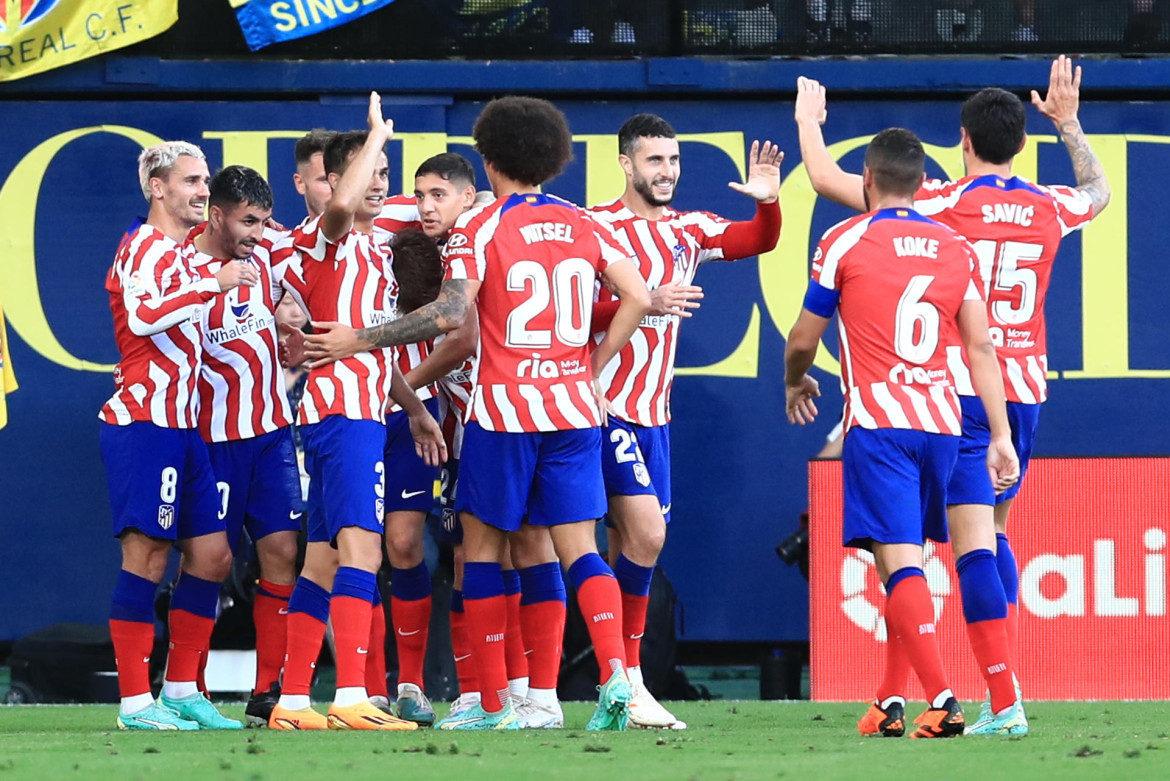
(266, 22)
(39, 35)
(1090, 537)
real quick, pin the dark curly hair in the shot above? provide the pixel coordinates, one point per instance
(525, 139)
(640, 126)
(418, 267)
(238, 184)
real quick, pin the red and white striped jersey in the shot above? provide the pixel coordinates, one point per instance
(1015, 227)
(241, 385)
(897, 280)
(399, 213)
(349, 282)
(454, 392)
(538, 258)
(157, 301)
(638, 381)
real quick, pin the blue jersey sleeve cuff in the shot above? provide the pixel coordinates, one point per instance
(820, 300)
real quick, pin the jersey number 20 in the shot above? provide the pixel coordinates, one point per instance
(569, 289)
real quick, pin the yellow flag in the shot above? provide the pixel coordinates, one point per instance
(39, 35)
(7, 377)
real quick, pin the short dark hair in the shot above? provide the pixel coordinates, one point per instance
(642, 126)
(311, 143)
(341, 147)
(525, 139)
(450, 166)
(238, 184)
(994, 119)
(418, 268)
(896, 159)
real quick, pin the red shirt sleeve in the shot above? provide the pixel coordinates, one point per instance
(758, 235)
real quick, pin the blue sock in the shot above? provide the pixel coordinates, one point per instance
(1009, 573)
(456, 600)
(983, 597)
(411, 584)
(542, 583)
(482, 580)
(356, 583)
(308, 597)
(196, 596)
(900, 575)
(588, 566)
(634, 579)
(133, 598)
(511, 582)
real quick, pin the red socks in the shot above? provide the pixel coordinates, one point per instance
(514, 658)
(600, 601)
(1013, 633)
(897, 670)
(270, 615)
(989, 642)
(543, 628)
(412, 619)
(133, 643)
(634, 626)
(305, 635)
(461, 650)
(487, 620)
(351, 638)
(910, 616)
(376, 659)
(190, 640)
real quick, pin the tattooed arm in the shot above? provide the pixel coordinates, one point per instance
(335, 341)
(1061, 105)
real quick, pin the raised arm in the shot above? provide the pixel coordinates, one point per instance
(337, 218)
(1061, 105)
(827, 178)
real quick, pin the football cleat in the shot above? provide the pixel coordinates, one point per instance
(413, 705)
(889, 722)
(288, 719)
(1013, 721)
(534, 715)
(648, 713)
(462, 703)
(382, 704)
(197, 708)
(260, 707)
(985, 707)
(154, 717)
(476, 718)
(613, 704)
(944, 722)
(363, 715)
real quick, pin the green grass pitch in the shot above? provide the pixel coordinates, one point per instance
(726, 740)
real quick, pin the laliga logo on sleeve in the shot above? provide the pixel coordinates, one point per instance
(30, 11)
(857, 589)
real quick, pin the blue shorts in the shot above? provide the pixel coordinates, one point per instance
(450, 529)
(160, 481)
(970, 482)
(346, 482)
(553, 477)
(635, 460)
(410, 482)
(895, 486)
(259, 485)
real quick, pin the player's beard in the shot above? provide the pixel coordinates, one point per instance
(645, 188)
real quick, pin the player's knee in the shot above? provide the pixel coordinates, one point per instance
(278, 557)
(403, 546)
(645, 542)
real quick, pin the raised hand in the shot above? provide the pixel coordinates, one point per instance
(235, 273)
(1064, 92)
(675, 299)
(763, 181)
(374, 118)
(811, 105)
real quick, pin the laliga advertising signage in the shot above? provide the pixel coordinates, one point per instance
(1090, 536)
(68, 189)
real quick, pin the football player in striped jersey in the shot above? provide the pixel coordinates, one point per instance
(1015, 227)
(162, 490)
(669, 247)
(907, 291)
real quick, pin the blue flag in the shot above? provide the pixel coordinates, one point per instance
(266, 22)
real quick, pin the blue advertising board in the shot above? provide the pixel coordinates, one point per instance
(70, 189)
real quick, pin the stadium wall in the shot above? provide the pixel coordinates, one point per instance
(69, 190)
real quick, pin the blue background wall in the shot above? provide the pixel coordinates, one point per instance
(739, 468)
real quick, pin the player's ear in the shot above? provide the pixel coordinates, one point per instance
(468, 196)
(627, 164)
(156, 187)
(1023, 143)
(964, 139)
(299, 183)
(334, 178)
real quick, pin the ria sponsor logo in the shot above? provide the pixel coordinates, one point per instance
(536, 368)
